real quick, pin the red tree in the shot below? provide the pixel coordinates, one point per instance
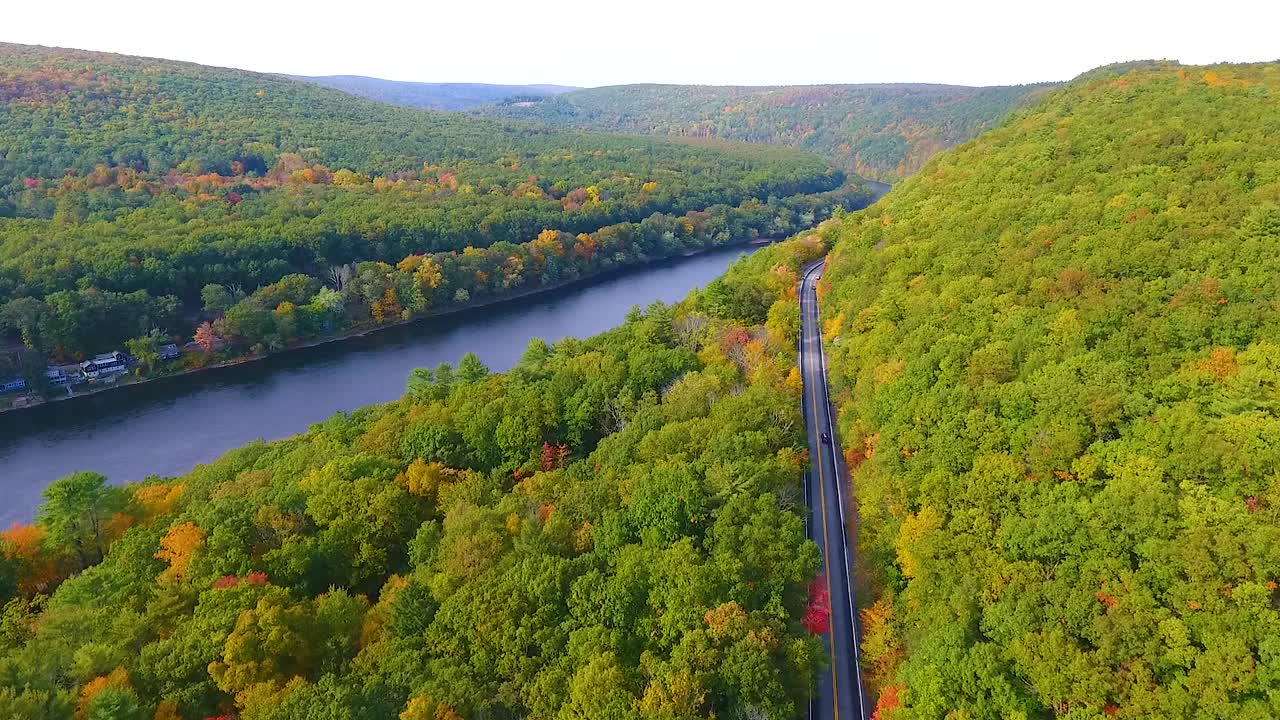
(554, 456)
(889, 700)
(817, 618)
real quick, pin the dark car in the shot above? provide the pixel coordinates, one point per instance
(826, 439)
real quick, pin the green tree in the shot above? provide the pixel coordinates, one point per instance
(75, 511)
(146, 349)
(471, 369)
(115, 703)
(217, 299)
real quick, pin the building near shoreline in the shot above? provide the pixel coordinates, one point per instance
(103, 365)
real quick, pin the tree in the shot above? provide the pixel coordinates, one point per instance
(425, 479)
(8, 577)
(115, 703)
(28, 316)
(36, 566)
(271, 642)
(422, 384)
(471, 369)
(75, 513)
(599, 691)
(179, 546)
(146, 349)
(422, 707)
(217, 299)
(817, 617)
(206, 338)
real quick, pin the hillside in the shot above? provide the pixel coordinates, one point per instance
(1056, 351)
(880, 132)
(430, 96)
(613, 529)
(140, 194)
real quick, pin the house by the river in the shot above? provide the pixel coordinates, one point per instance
(105, 365)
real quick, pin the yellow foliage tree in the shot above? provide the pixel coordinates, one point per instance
(679, 694)
(179, 546)
(426, 708)
(429, 274)
(728, 619)
(832, 328)
(586, 246)
(795, 380)
(425, 479)
(913, 540)
(157, 500)
(783, 282)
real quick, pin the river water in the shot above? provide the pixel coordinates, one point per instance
(169, 426)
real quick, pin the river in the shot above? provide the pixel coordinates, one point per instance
(169, 426)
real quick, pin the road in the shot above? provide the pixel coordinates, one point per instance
(841, 691)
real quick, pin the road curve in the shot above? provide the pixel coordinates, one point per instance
(841, 692)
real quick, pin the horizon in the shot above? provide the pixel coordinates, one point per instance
(571, 87)
(1001, 43)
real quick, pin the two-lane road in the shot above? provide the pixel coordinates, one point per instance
(841, 692)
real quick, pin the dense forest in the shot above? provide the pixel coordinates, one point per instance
(431, 96)
(881, 132)
(1057, 359)
(613, 529)
(131, 188)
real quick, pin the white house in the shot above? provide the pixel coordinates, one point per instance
(106, 364)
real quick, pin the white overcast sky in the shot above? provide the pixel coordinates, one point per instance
(607, 42)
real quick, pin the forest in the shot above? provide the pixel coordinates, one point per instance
(1056, 353)
(129, 186)
(451, 96)
(881, 132)
(613, 529)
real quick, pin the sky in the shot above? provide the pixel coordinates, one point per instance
(971, 42)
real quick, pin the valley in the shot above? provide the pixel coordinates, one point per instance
(646, 404)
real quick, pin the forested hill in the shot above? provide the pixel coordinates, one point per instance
(71, 110)
(881, 132)
(431, 96)
(139, 194)
(1057, 352)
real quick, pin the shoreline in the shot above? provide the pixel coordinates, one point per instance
(584, 280)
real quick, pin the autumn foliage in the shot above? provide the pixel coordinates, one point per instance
(118, 678)
(554, 456)
(817, 615)
(889, 700)
(179, 546)
(39, 569)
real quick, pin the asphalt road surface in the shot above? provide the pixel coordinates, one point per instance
(841, 692)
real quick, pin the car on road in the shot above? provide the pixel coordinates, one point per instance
(826, 439)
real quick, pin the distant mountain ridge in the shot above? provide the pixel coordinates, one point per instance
(881, 132)
(431, 96)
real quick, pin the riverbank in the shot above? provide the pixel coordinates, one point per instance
(125, 382)
(169, 426)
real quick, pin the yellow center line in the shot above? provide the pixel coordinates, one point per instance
(826, 544)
